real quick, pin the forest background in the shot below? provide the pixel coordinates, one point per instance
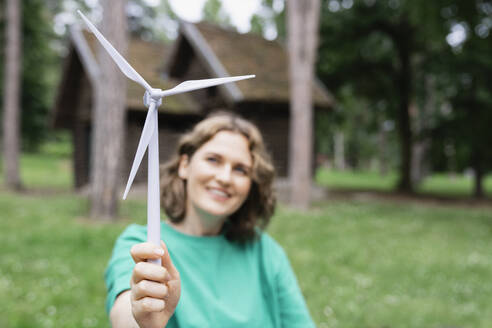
(411, 79)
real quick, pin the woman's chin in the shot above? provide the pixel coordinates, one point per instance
(218, 210)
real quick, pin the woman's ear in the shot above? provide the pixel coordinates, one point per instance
(183, 167)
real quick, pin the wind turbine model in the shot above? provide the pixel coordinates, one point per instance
(152, 99)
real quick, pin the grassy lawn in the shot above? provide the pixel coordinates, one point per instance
(436, 184)
(357, 181)
(359, 263)
(369, 264)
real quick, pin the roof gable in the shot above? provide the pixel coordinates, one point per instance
(227, 53)
(145, 57)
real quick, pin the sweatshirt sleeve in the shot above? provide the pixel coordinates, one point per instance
(291, 304)
(120, 266)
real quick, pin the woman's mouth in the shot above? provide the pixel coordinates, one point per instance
(218, 193)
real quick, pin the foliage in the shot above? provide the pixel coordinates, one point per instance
(151, 22)
(213, 13)
(468, 71)
(270, 19)
(39, 72)
(363, 124)
(374, 46)
(400, 59)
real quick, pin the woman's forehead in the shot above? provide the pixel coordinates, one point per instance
(229, 144)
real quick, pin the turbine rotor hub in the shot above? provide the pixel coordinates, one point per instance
(152, 96)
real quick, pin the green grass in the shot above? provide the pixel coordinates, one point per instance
(52, 261)
(370, 264)
(449, 185)
(355, 180)
(50, 168)
(436, 184)
(359, 263)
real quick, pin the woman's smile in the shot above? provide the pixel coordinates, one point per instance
(218, 194)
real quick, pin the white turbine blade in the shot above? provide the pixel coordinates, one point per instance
(200, 84)
(118, 59)
(148, 130)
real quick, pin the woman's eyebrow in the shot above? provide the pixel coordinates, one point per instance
(211, 153)
(239, 161)
(244, 165)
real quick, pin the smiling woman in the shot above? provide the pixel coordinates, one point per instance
(216, 259)
(229, 153)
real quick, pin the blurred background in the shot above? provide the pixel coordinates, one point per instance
(397, 228)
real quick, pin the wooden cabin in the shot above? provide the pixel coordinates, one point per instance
(200, 51)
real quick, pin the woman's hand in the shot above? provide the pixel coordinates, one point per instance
(155, 289)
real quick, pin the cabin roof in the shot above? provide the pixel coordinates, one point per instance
(145, 57)
(225, 52)
(221, 52)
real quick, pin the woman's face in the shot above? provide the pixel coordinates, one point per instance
(218, 175)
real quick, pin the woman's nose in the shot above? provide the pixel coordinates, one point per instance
(224, 174)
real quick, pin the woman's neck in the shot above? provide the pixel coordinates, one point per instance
(199, 224)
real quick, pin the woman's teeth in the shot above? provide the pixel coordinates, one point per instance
(219, 192)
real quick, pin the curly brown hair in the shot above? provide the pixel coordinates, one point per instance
(258, 207)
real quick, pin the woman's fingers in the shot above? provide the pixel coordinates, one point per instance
(147, 288)
(149, 271)
(145, 251)
(148, 304)
(168, 264)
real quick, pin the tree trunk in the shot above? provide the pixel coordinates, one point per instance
(339, 142)
(382, 144)
(420, 146)
(404, 128)
(109, 117)
(477, 177)
(303, 19)
(11, 100)
(421, 165)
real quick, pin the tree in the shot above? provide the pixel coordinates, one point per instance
(269, 20)
(11, 104)
(302, 36)
(39, 71)
(151, 20)
(467, 76)
(109, 117)
(378, 47)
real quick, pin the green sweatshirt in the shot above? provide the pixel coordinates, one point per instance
(223, 284)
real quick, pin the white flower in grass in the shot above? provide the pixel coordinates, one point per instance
(363, 281)
(327, 311)
(51, 310)
(475, 258)
(391, 299)
(89, 322)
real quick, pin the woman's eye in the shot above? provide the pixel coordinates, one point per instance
(212, 159)
(241, 170)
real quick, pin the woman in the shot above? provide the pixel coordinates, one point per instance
(225, 272)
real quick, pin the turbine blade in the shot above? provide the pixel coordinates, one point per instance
(200, 84)
(148, 130)
(118, 59)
